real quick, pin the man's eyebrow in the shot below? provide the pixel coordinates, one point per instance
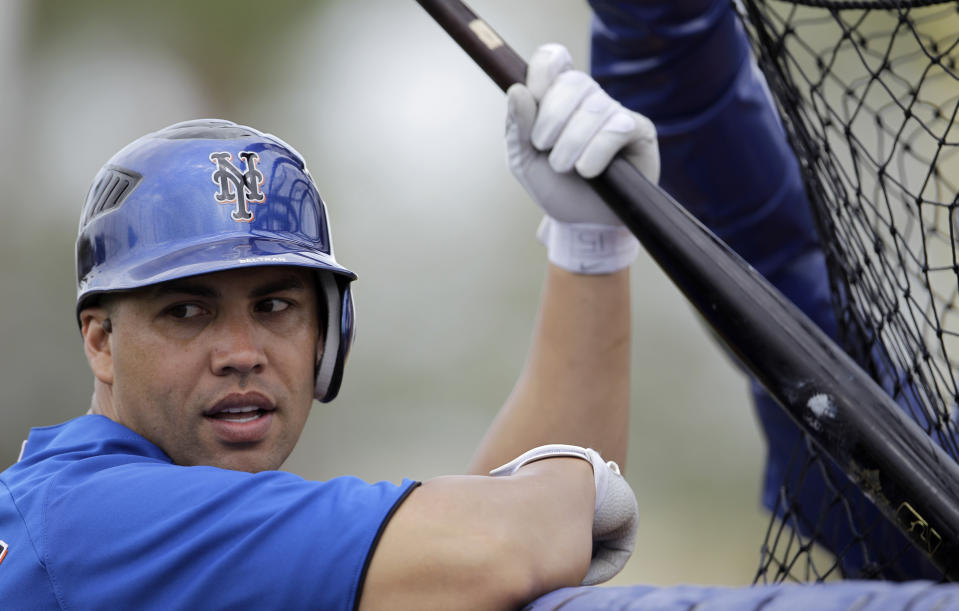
(285, 283)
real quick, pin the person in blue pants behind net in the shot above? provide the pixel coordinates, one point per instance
(687, 65)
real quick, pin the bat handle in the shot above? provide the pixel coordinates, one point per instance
(479, 40)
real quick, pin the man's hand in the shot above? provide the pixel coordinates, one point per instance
(562, 121)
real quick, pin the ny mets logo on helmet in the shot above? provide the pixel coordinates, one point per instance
(236, 187)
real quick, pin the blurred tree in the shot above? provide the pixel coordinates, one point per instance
(230, 45)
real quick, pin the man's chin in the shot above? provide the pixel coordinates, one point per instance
(252, 459)
(248, 461)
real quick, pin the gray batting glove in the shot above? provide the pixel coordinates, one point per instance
(615, 514)
(561, 121)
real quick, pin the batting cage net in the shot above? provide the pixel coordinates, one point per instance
(869, 93)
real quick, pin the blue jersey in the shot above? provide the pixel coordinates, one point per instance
(94, 516)
(688, 67)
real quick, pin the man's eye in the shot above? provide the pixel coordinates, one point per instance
(272, 305)
(185, 310)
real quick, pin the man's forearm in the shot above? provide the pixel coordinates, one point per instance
(575, 387)
(467, 542)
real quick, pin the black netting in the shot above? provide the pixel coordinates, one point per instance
(869, 94)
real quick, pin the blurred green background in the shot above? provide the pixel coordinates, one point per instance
(404, 137)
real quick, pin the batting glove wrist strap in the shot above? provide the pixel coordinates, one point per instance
(615, 514)
(588, 248)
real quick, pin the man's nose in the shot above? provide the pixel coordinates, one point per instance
(238, 347)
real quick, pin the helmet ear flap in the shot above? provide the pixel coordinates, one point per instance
(337, 337)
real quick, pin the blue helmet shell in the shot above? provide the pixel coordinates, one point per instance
(205, 196)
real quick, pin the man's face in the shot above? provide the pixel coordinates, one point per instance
(218, 369)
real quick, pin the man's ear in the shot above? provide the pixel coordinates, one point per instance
(96, 327)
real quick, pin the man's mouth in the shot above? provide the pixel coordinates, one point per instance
(241, 417)
(239, 414)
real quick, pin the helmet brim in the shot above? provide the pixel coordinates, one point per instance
(201, 258)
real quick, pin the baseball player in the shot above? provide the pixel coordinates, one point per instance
(213, 311)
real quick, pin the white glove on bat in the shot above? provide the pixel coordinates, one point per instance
(615, 515)
(560, 121)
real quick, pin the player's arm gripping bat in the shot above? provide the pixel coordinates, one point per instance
(912, 480)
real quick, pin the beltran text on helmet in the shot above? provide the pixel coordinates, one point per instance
(262, 260)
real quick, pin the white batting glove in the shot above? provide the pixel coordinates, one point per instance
(562, 121)
(615, 515)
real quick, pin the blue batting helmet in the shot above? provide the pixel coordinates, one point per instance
(205, 196)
